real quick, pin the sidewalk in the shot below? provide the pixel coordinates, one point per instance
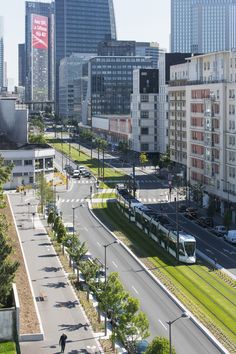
(59, 311)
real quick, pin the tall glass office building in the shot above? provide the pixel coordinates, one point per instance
(202, 26)
(79, 26)
(1, 54)
(39, 51)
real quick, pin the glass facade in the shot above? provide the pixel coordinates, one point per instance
(39, 79)
(1, 54)
(202, 26)
(80, 26)
(112, 83)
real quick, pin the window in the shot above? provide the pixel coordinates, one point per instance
(144, 98)
(144, 114)
(39, 164)
(145, 147)
(144, 131)
(49, 162)
(17, 162)
(28, 162)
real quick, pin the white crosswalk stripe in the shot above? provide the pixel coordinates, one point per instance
(77, 200)
(72, 200)
(67, 201)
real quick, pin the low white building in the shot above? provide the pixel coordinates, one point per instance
(29, 161)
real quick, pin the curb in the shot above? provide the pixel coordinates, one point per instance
(170, 295)
(37, 336)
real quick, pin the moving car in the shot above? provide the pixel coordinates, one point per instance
(219, 230)
(205, 221)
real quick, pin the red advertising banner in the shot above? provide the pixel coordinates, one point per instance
(39, 32)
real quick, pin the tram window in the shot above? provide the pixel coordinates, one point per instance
(190, 248)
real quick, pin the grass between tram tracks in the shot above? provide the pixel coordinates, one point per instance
(208, 293)
(111, 176)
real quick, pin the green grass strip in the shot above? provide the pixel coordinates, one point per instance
(202, 290)
(8, 348)
(111, 176)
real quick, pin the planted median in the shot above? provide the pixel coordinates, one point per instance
(111, 176)
(208, 293)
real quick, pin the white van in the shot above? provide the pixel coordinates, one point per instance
(230, 236)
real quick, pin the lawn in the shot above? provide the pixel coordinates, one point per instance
(7, 348)
(209, 294)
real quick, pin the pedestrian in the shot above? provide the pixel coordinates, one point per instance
(62, 342)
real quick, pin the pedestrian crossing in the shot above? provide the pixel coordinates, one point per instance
(142, 200)
(83, 181)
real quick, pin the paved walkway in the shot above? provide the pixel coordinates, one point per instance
(60, 311)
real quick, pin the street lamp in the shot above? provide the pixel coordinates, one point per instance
(73, 217)
(183, 315)
(105, 261)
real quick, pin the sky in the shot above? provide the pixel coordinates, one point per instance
(139, 20)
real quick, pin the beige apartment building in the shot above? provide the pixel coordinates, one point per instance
(202, 124)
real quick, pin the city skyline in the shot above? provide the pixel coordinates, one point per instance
(155, 14)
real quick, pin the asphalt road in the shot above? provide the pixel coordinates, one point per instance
(187, 338)
(154, 193)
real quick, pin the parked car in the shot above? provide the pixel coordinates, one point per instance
(182, 208)
(191, 213)
(230, 236)
(219, 230)
(205, 221)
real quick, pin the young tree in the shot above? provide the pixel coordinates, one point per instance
(45, 192)
(159, 345)
(211, 208)
(132, 324)
(51, 217)
(89, 270)
(143, 159)
(61, 232)
(37, 139)
(155, 160)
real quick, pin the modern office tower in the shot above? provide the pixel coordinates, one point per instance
(144, 110)
(21, 64)
(203, 26)
(5, 74)
(147, 49)
(70, 71)
(116, 48)
(39, 51)
(79, 26)
(202, 109)
(1, 53)
(111, 80)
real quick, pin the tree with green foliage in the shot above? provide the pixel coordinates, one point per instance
(227, 219)
(56, 224)
(61, 232)
(159, 345)
(37, 139)
(211, 210)
(165, 159)
(7, 266)
(155, 160)
(51, 217)
(89, 270)
(143, 159)
(132, 324)
(45, 192)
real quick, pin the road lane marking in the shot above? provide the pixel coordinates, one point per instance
(134, 289)
(99, 244)
(162, 324)
(209, 251)
(86, 229)
(114, 264)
